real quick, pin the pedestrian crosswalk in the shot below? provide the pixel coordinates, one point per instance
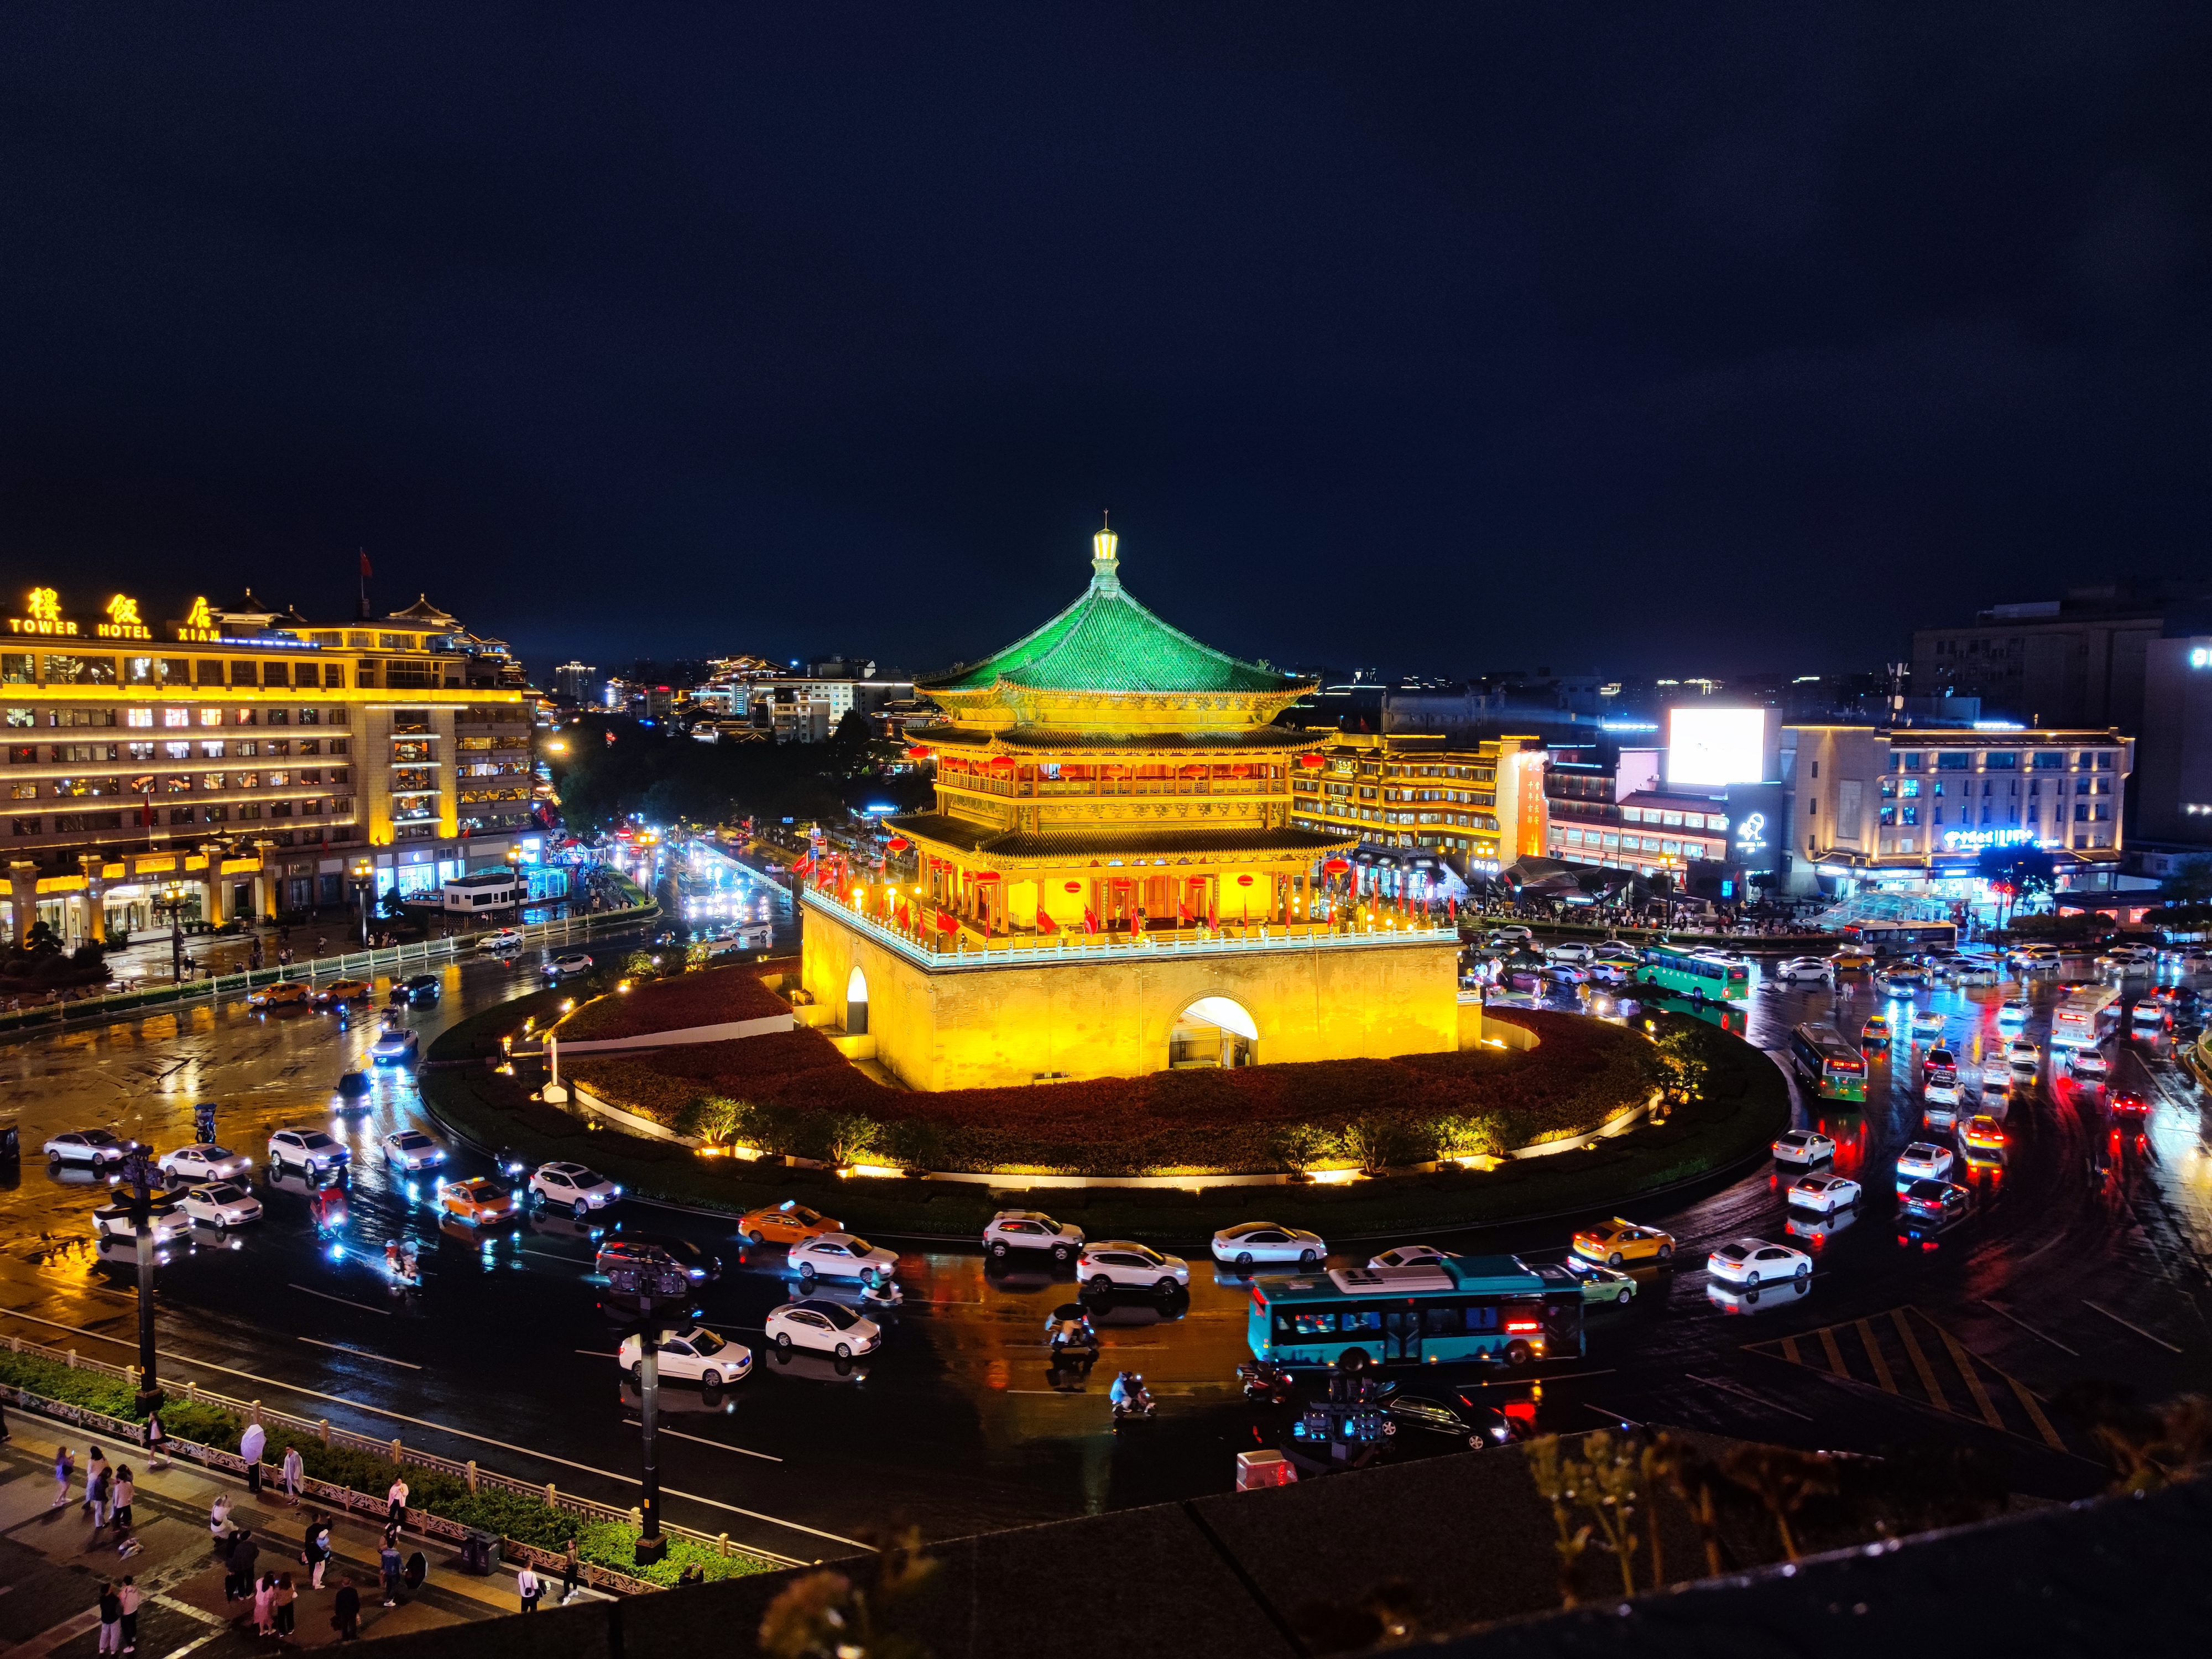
(1905, 1353)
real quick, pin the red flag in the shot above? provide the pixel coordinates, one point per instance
(947, 922)
(1089, 920)
(905, 917)
(1045, 923)
(365, 569)
(1183, 910)
(1136, 924)
(1452, 905)
(1213, 920)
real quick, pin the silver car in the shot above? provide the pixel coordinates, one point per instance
(1249, 1242)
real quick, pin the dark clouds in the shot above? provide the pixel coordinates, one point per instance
(1443, 337)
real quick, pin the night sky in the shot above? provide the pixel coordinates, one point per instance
(1658, 339)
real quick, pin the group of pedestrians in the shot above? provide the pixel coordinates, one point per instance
(119, 1616)
(109, 1493)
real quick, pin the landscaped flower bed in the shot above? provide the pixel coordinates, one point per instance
(710, 996)
(794, 1093)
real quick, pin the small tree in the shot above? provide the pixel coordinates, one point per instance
(1781, 1480)
(1560, 1479)
(826, 1615)
(1299, 1146)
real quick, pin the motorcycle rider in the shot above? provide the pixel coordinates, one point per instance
(1128, 1394)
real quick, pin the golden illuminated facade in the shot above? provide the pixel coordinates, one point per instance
(1111, 881)
(247, 755)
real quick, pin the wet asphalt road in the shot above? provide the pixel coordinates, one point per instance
(2063, 1274)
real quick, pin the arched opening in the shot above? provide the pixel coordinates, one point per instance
(856, 1005)
(1212, 1031)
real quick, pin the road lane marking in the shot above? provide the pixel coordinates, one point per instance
(719, 1445)
(1605, 1411)
(1874, 1353)
(599, 1354)
(1919, 1361)
(1835, 1354)
(2002, 1314)
(1521, 1382)
(1756, 1399)
(189, 1610)
(348, 1347)
(342, 1301)
(1965, 1365)
(2131, 1325)
(441, 1428)
(2035, 1415)
(1789, 1350)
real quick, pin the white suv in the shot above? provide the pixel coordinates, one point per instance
(573, 1188)
(1030, 1230)
(306, 1150)
(1122, 1261)
(504, 939)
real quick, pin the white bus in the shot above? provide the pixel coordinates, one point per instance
(2083, 1016)
(486, 890)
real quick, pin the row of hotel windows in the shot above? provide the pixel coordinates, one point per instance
(175, 783)
(1669, 818)
(2084, 839)
(1672, 847)
(1377, 815)
(16, 718)
(2084, 812)
(71, 668)
(1963, 760)
(78, 824)
(178, 749)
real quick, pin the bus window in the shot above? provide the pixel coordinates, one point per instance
(1442, 1321)
(1482, 1319)
(1312, 1324)
(1361, 1319)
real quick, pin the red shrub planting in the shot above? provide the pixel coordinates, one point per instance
(794, 1092)
(711, 996)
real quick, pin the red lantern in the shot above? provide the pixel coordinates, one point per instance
(899, 843)
(918, 752)
(1335, 867)
(1073, 886)
(1311, 762)
(984, 875)
(1243, 881)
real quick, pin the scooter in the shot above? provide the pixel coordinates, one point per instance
(1130, 1398)
(1267, 1383)
(1072, 1336)
(399, 1261)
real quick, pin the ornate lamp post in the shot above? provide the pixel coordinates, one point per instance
(364, 880)
(170, 903)
(640, 1300)
(139, 1173)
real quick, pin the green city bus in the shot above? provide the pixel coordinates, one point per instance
(1836, 1070)
(1678, 968)
(1486, 1308)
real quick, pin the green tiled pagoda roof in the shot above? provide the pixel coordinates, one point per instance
(1265, 738)
(1106, 642)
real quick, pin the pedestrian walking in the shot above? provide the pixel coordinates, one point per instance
(527, 1587)
(317, 1555)
(293, 1472)
(99, 1483)
(111, 1618)
(65, 1466)
(570, 1568)
(96, 1466)
(345, 1610)
(265, 1606)
(157, 1442)
(388, 1562)
(397, 1498)
(245, 1559)
(128, 1598)
(251, 1445)
(125, 1490)
(283, 1601)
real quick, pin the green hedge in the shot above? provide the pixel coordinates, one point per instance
(527, 1520)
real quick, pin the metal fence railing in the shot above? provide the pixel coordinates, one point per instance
(279, 1425)
(350, 965)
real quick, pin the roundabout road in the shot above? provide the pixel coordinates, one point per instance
(2063, 1275)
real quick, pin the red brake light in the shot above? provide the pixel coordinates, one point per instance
(1522, 1325)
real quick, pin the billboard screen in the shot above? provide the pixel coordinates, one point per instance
(1716, 747)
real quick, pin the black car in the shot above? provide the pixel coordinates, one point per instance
(1934, 1204)
(636, 1250)
(354, 1093)
(423, 990)
(1459, 1414)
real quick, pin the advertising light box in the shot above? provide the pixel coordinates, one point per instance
(1716, 747)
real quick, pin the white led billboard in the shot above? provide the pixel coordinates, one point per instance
(1716, 746)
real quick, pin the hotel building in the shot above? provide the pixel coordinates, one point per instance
(1418, 801)
(250, 756)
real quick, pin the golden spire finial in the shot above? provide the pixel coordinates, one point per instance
(1105, 566)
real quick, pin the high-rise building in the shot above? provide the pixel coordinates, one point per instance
(249, 754)
(576, 681)
(1421, 803)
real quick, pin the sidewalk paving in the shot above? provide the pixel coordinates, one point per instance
(52, 1566)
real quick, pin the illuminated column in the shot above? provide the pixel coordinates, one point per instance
(24, 894)
(95, 897)
(215, 908)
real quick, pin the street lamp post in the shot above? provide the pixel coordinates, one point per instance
(139, 1170)
(640, 1300)
(364, 878)
(170, 903)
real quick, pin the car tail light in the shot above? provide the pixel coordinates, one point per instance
(1522, 1325)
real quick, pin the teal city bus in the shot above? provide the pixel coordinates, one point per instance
(1484, 1308)
(1836, 1070)
(1677, 968)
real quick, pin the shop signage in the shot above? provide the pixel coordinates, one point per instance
(1751, 835)
(118, 619)
(199, 624)
(1974, 840)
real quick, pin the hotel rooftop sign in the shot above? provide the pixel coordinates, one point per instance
(118, 619)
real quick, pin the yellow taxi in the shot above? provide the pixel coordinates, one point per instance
(1876, 1030)
(786, 1223)
(344, 990)
(1618, 1240)
(1983, 1132)
(1851, 959)
(286, 993)
(476, 1201)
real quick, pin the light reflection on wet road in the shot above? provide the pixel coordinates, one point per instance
(960, 1424)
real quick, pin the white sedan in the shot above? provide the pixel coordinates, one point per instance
(90, 1146)
(1922, 1160)
(1928, 1023)
(1754, 1261)
(1819, 969)
(205, 1161)
(1121, 1261)
(2012, 1012)
(696, 1356)
(1411, 1255)
(573, 1188)
(393, 1043)
(843, 1255)
(412, 1151)
(220, 1205)
(1996, 1074)
(1802, 1147)
(503, 939)
(1570, 952)
(573, 962)
(1250, 1242)
(1825, 1194)
(2021, 1051)
(2090, 1061)
(821, 1324)
(164, 1220)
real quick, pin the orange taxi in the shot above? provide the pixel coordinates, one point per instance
(786, 1223)
(285, 993)
(1983, 1132)
(1618, 1240)
(1876, 1030)
(344, 990)
(476, 1201)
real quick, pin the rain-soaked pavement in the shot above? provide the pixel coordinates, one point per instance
(2085, 1261)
